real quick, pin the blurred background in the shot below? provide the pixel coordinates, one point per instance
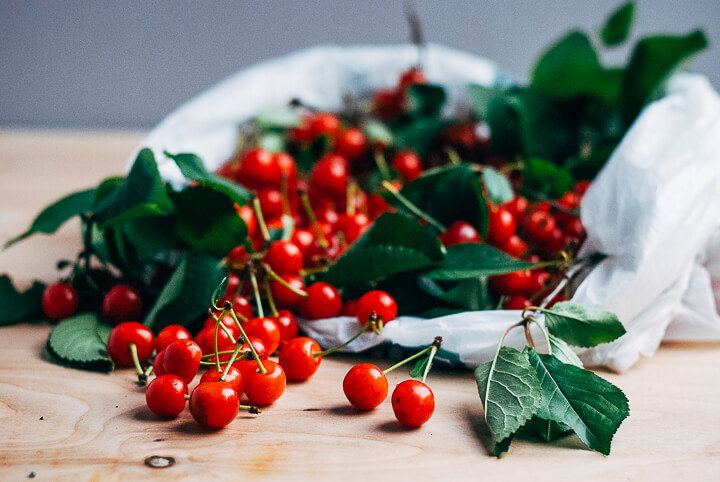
(127, 64)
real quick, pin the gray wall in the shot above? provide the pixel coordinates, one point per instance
(128, 63)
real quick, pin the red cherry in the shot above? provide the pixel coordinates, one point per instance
(460, 232)
(60, 301)
(285, 166)
(411, 77)
(352, 226)
(247, 214)
(408, 164)
(330, 174)
(206, 340)
(554, 242)
(122, 303)
(350, 308)
(265, 388)
(315, 255)
(158, 363)
(574, 228)
(323, 301)
(298, 360)
(233, 377)
(118, 344)
(266, 330)
(287, 324)
(581, 188)
(365, 386)
(413, 403)
(302, 238)
(351, 143)
(214, 404)
(258, 168)
(285, 298)
(537, 282)
(170, 334)
(518, 208)
(182, 358)
(270, 203)
(517, 303)
(514, 246)
(226, 320)
(377, 205)
(512, 284)
(388, 104)
(501, 225)
(284, 257)
(379, 302)
(165, 395)
(324, 123)
(540, 226)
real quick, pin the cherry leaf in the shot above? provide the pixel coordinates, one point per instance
(582, 325)
(76, 343)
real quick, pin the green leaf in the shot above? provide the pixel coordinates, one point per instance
(374, 263)
(472, 260)
(591, 406)
(505, 119)
(185, 296)
(481, 97)
(617, 26)
(393, 229)
(653, 60)
(510, 392)
(17, 306)
(419, 368)
(283, 117)
(149, 236)
(471, 294)
(377, 132)
(193, 169)
(425, 99)
(207, 220)
(142, 194)
(582, 325)
(498, 186)
(563, 352)
(548, 430)
(55, 215)
(448, 195)
(272, 141)
(547, 179)
(76, 343)
(419, 134)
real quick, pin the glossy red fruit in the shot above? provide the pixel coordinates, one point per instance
(165, 395)
(517, 303)
(330, 174)
(388, 104)
(408, 164)
(287, 324)
(351, 143)
(118, 344)
(206, 340)
(501, 225)
(365, 386)
(323, 301)
(170, 334)
(284, 257)
(266, 330)
(540, 226)
(286, 167)
(413, 403)
(574, 228)
(60, 301)
(352, 226)
(258, 168)
(513, 284)
(302, 238)
(248, 216)
(233, 377)
(518, 208)
(411, 77)
(265, 388)
(285, 298)
(459, 232)
(214, 404)
(581, 188)
(122, 303)
(324, 123)
(315, 255)
(538, 281)
(555, 241)
(226, 320)
(270, 203)
(377, 205)
(514, 246)
(182, 358)
(298, 360)
(379, 302)
(350, 308)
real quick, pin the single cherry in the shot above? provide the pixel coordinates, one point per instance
(460, 232)
(182, 358)
(378, 302)
(413, 403)
(170, 334)
(365, 386)
(165, 395)
(323, 301)
(284, 257)
(126, 338)
(233, 377)
(288, 325)
(298, 360)
(214, 404)
(122, 303)
(266, 330)
(264, 388)
(408, 164)
(351, 143)
(60, 301)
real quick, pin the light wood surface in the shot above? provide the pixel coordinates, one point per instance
(74, 425)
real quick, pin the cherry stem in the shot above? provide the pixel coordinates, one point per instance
(261, 368)
(148, 371)
(372, 319)
(528, 335)
(284, 195)
(417, 355)
(413, 208)
(230, 361)
(433, 350)
(544, 332)
(210, 356)
(215, 338)
(287, 285)
(136, 361)
(382, 166)
(313, 220)
(187, 397)
(261, 219)
(350, 201)
(269, 296)
(256, 290)
(251, 409)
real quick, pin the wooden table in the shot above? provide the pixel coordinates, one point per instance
(68, 424)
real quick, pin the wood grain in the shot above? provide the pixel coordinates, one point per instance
(72, 425)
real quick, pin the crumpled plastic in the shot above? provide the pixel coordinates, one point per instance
(654, 209)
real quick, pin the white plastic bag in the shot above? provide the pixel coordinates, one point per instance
(654, 209)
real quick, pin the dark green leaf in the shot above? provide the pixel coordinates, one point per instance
(284, 117)
(582, 325)
(76, 343)
(471, 294)
(142, 194)
(419, 368)
(55, 215)
(482, 96)
(498, 186)
(591, 406)
(17, 306)
(207, 220)
(425, 99)
(653, 60)
(392, 229)
(510, 392)
(503, 446)
(548, 430)
(107, 187)
(193, 168)
(149, 236)
(617, 26)
(546, 179)
(187, 292)
(374, 263)
(505, 119)
(563, 352)
(472, 260)
(448, 195)
(419, 134)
